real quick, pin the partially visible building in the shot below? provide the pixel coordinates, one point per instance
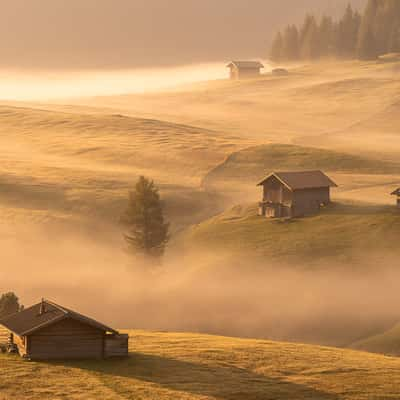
(294, 194)
(280, 72)
(245, 69)
(397, 194)
(48, 331)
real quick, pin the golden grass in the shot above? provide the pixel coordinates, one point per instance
(384, 343)
(192, 366)
(75, 168)
(76, 162)
(345, 105)
(342, 232)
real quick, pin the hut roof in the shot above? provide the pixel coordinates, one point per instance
(301, 180)
(44, 314)
(396, 192)
(245, 64)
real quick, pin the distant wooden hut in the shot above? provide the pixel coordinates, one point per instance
(280, 72)
(397, 194)
(244, 69)
(294, 194)
(48, 331)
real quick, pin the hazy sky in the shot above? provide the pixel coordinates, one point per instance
(130, 33)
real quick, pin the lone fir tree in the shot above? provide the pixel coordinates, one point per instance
(147, 231)
(9, 304)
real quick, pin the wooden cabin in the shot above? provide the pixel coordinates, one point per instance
(49, 331)
(294, 194)
(397, 194)
(244, 69)
(280, 72)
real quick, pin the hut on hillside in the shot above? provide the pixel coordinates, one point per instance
(280, 72)
(397, 194)
(294, 194)
(48, 331)
(244, 69)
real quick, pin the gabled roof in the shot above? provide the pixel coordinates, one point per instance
(396, 192)
(44, 314)
(301, 180)
(245, 64)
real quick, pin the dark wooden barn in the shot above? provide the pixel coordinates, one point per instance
(397, 194)
(244, 69)
(48, 331)
(294, 194)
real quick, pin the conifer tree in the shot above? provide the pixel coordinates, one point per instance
(326, 34)
(290, 46)
(144, 218)
(309, 40)
(276, 53)
(367, 47)
(9, 304)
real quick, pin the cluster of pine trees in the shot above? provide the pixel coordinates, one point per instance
(366, 36)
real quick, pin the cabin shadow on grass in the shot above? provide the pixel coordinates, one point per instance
(152, 376)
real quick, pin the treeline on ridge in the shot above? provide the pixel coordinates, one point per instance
(363, 36)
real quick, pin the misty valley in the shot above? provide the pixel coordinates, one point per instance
(217, 230)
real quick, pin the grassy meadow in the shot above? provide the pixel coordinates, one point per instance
(387, 342)
(65, 171)
(74, 160)
(193, 366)
(341, 233)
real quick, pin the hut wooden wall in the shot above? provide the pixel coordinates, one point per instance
(244, 73)
(4, 334)
(21, 344)
(67, 339)
(249, 73)
(308, 201)
(116, 345)
(276, 192)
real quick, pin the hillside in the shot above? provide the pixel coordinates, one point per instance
(252, 164)
(341, 232)
(313, 105)
(191, 366)
(66, 166)
(384, 343)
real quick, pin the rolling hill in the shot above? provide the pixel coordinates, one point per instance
(192, 366)
(385, 343)
(67, 166)
(312, 106)
(252, 164)
(342, 232)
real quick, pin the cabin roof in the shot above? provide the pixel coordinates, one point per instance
(396, 192)
(32, 319)
(301, 179)
(245, 64)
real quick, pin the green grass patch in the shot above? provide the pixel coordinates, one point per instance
(385, 343)
(339, 232)
(252, 164)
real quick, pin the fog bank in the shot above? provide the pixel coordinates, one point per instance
(199, 292)
(43, 85)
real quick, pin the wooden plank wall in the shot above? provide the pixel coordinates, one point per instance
(4, 334)
(67, 339)
(116, 346)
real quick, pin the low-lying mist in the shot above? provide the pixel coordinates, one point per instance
(198, 292)
(44, 85)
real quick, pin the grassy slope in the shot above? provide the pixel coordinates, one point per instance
(190, 366)
(58, 164)
(338, 233)
(385, 343)
(252, 164)
(61, 166)
(346, 105)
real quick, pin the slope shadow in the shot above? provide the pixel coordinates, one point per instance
(223, 381)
